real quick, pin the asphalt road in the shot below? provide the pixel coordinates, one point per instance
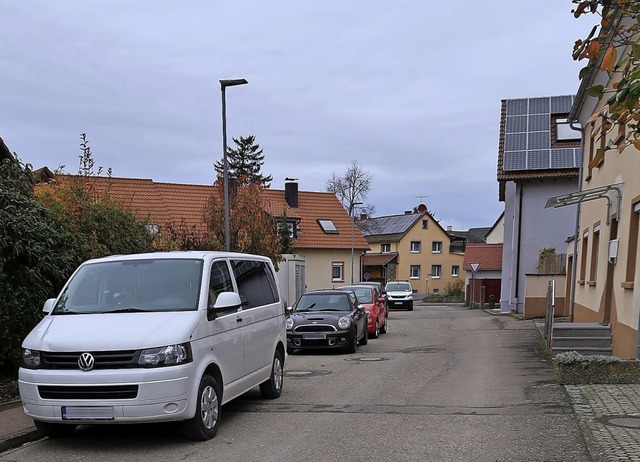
(444, 384)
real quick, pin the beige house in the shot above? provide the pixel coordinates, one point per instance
(411, 247)
(323, 233)
(606, 284)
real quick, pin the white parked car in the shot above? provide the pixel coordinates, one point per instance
(399, 295)
(155, 337)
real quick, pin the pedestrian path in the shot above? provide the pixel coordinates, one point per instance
(609, 416)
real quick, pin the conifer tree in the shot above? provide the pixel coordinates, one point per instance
(245, 162)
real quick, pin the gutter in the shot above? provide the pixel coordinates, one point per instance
(574, 259)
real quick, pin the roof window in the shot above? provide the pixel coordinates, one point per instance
(328, 227)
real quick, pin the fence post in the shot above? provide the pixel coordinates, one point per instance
(483, 291)
(548, 318)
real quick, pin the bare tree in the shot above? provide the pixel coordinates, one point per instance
(352, 188)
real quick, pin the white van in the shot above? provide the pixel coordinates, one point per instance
(155, 337)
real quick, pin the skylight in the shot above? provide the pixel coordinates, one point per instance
(328, 227)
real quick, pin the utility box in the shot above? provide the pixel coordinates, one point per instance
(291, 278)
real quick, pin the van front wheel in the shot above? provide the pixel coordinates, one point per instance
(272, 388)
(204, 425)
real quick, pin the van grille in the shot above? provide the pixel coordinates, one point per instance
(88, 392)
(103, 359)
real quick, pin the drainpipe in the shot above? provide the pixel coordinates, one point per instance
(574, 259)
(517, 288)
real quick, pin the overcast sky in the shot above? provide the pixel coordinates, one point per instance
(410, 89)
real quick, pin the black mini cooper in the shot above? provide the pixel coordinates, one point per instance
(327, 319)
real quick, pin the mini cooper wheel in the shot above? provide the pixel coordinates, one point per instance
(204, 425)
(353, 344)
(272, 387)
(365, 338)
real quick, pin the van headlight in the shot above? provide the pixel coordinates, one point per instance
(344, 322)
(289, 323)
(169, 355)
(31, 358)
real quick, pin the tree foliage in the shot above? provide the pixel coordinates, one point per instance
(245, 162)
(251, 228)
(613, 46)
(36, 257)
(352, 188)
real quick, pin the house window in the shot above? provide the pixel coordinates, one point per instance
(455, 271)
(328, 227)
(632, 251)
(436, 291)
(425, 224)
(436, 271)
(414, 271)
(564, 132)
(416, 246)
(290, 226)
(385, 248)
(583, 257)
(595, 244)
(436, 247)
(337, 271)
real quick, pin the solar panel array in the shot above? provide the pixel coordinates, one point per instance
(527, 143)
(388, 225)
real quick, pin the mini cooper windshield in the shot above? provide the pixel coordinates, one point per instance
(129, 286)
(323, 302)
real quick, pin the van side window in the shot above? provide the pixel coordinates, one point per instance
(219, 281)
(256, 283)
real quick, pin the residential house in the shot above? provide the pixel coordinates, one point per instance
(412, 247)
(4, 151)
(538, 157)
(322, 231)
(495, 235)
(606, 284)
(483, 263)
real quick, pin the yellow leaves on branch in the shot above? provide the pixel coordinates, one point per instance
(609, 60)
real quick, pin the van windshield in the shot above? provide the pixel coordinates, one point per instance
(398, 287)
(133, 286)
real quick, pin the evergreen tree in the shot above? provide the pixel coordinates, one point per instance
(245, 162)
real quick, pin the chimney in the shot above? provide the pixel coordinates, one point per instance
(291, 193)
(449, 228)
(408, 212)
(364, 216)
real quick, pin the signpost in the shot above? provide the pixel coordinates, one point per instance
(474, 268)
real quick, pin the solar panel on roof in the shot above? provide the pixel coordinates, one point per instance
(527, 140)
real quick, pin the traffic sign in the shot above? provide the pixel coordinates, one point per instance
(474, 266)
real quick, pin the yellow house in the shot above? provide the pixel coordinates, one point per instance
(411, 247)
(604, 256)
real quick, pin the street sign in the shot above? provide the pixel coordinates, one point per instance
(474, 266)
(366, 276)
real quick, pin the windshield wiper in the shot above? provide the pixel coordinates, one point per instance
(127, 310)
(307, 308)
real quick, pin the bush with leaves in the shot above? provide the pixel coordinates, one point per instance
(36, 257)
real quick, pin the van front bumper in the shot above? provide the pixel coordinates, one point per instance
(107, 396)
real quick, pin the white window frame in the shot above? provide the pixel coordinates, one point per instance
(417, 245)
(436, 247)
(411, 271)
(436, 271)
(385, 248)
(340, 265)
(455, 271)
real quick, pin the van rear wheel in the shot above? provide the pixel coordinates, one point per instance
(272, 387)
(204, 425)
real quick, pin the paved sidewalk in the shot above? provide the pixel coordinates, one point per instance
(15, 427)
(609, 416)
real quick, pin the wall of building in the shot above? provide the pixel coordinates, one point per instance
(319, 264)
(535, 305)
(496, 236)
(528, 228)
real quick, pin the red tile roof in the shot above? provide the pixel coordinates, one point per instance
(163, 203)
(489, 256)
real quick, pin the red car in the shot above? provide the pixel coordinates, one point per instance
(375, 305)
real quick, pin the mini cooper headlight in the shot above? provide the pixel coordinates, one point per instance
(289, 323)
(344, 322)
(169, 355)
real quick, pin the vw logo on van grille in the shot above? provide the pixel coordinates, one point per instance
(86, 361)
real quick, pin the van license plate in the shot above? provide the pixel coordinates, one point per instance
(87, 413)
(314, 336)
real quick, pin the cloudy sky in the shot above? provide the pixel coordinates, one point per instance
(410, 89)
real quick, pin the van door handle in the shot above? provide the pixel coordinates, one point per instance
(238, 319)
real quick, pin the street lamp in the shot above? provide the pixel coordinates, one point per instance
(225, 169)
(353, 225)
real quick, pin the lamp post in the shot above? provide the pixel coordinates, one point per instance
(225, 170)
(353, 225)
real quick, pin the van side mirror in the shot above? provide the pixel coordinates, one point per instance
(226, 301)
(48, 305)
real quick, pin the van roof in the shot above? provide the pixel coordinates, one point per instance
(198, 254)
